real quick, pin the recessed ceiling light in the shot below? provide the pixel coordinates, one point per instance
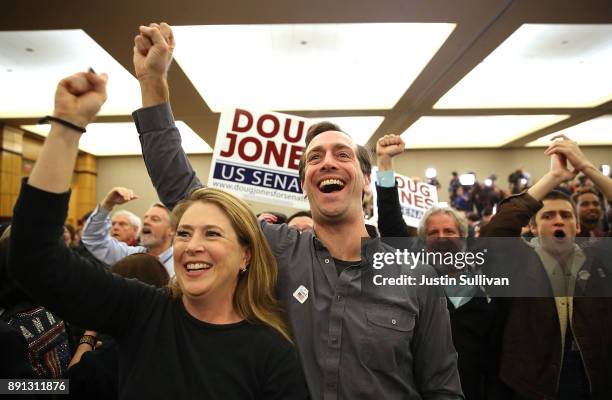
(29, 78)
(121, 138)
(270, 67)
(540, 65)
(473, 132)
(597, 131)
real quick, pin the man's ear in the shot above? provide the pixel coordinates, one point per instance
(367, 188)
(303, 190)
(533, 228)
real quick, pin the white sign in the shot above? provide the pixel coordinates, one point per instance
(256, 156)
(415, 198)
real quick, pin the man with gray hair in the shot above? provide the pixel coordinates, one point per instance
(155, 238)
(442, 222)
(477, 320)
(125, 226)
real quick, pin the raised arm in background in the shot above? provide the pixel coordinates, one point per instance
(390, 219)
(516, 211)
(96, 234)
(168, 166)
(570, 150)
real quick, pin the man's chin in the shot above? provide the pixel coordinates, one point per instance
(591, 220)
(149, 242)
(558, 245)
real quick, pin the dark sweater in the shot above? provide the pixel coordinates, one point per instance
(164, 352)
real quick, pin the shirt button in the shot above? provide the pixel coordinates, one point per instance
(327, 261)
(394, 322)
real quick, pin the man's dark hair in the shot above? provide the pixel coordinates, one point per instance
(363, 155)
(472, 216)
(557, 195)
(300, 214)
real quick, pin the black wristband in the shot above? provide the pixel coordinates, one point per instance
(88, 339)
(63, 122)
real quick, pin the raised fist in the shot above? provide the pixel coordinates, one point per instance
(389, 145)
(78, 98)
(153, 48)
(118, 195)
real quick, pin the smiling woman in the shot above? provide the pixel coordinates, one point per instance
(218, 334)
(225, 270)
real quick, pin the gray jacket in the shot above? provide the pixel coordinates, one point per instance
(356, 340)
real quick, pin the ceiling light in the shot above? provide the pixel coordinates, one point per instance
(306, 66)
(541, 65)
(473, 132)
(29, 78)
(121, 138)
(431, 173)
(467, 179)
(594, 132)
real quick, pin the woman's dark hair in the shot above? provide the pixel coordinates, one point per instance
(144, 267)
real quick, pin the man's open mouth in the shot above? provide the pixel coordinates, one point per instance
(558, 233)
(331, 185)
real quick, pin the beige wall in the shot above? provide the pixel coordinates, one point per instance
(131, 172)
(500, 162)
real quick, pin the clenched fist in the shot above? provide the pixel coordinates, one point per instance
(78, 98)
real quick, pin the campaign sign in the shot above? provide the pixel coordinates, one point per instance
(256, 156)
(415, 198)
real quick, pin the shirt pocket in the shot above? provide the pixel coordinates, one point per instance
(389, 333)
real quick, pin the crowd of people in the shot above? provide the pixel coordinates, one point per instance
(201, 298)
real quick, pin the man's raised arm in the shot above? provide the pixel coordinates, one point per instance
(516, 211)
(97, 229)
(390, 219)
(570, 150)
(168, 166)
